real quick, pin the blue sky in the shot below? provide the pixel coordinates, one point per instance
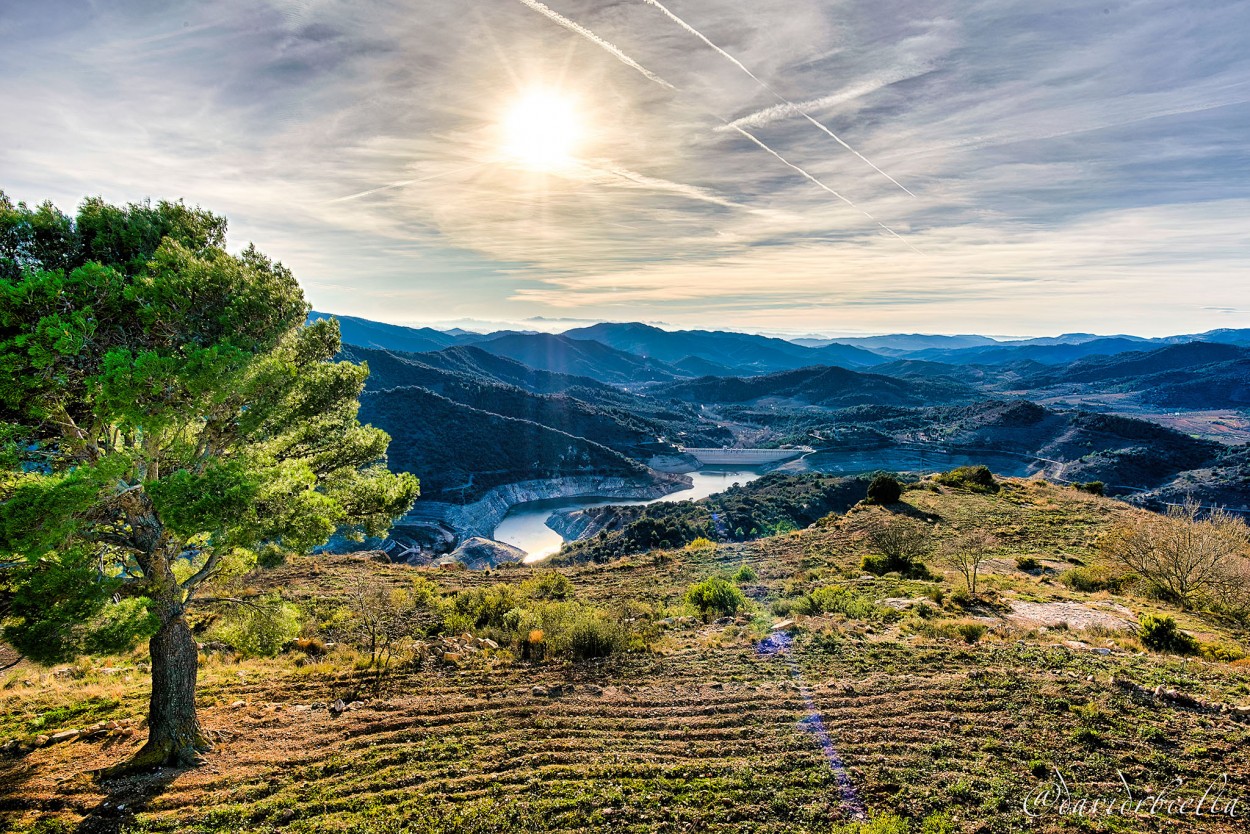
(1072, 166)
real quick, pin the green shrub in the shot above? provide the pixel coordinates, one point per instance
(1091, 580)
(961, 598)
(1092, 487)
(260, 629)
(746, 573)
(480, 607)
(973, 478)
(835, 599)
(884, 489)
(1162, 634)
(971, 632)
(715, 595)
(549, 584)
(881, 565)
(1220, 653)
(1027, 563)
(591, 635)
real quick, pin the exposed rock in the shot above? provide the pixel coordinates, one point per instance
(1074, 615)
(338, 708)
(478, 552)
(64, 735)
(902, 603)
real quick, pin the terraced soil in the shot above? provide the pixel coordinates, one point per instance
(708, 732)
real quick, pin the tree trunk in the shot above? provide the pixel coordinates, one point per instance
(174, 735)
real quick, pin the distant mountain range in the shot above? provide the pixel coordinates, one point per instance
(471, 411)
(635, 353)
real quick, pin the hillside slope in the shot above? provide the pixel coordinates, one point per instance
(897, 702)
(459, 451)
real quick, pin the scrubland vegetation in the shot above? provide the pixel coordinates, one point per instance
(632, 694)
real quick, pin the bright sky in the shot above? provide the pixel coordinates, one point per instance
(1071, 165)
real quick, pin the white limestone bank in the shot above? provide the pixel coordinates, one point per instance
(482, 516)
(573, 525)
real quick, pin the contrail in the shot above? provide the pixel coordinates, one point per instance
(630, 62)
(402, 183)
(576, 28)
(683, 24)
(790, 164)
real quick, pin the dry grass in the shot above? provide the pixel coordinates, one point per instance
(701, 733)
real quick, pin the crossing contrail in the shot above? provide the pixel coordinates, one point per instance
(683, 24)
(817, 182)
(576, 28)
(630, 62)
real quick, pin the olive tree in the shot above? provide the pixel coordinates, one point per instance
(165, 415)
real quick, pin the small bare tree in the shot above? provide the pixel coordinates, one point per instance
(1192, 558)
(966, 553)
(384, 617)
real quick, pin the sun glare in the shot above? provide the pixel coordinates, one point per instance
(542, 130)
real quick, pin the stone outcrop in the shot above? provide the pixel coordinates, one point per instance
(575, 524)
(479, 553)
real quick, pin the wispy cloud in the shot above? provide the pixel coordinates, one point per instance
(1081, 169)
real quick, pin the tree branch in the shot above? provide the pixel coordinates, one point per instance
(204, 573)
(234, 601)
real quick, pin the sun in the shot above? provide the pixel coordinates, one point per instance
(542, 130)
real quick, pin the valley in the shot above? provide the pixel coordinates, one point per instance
(503, 427)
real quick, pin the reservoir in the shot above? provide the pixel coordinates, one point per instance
(525, 525)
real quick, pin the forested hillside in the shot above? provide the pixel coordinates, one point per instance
(464, 451)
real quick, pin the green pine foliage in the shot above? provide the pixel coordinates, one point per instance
(165, 415)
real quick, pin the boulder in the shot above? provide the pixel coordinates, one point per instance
(64, 735)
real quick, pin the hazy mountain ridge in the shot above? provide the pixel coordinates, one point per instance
(827, 386)
(579, 357)
(745, 352)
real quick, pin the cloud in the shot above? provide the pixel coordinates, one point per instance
(1086, 165)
